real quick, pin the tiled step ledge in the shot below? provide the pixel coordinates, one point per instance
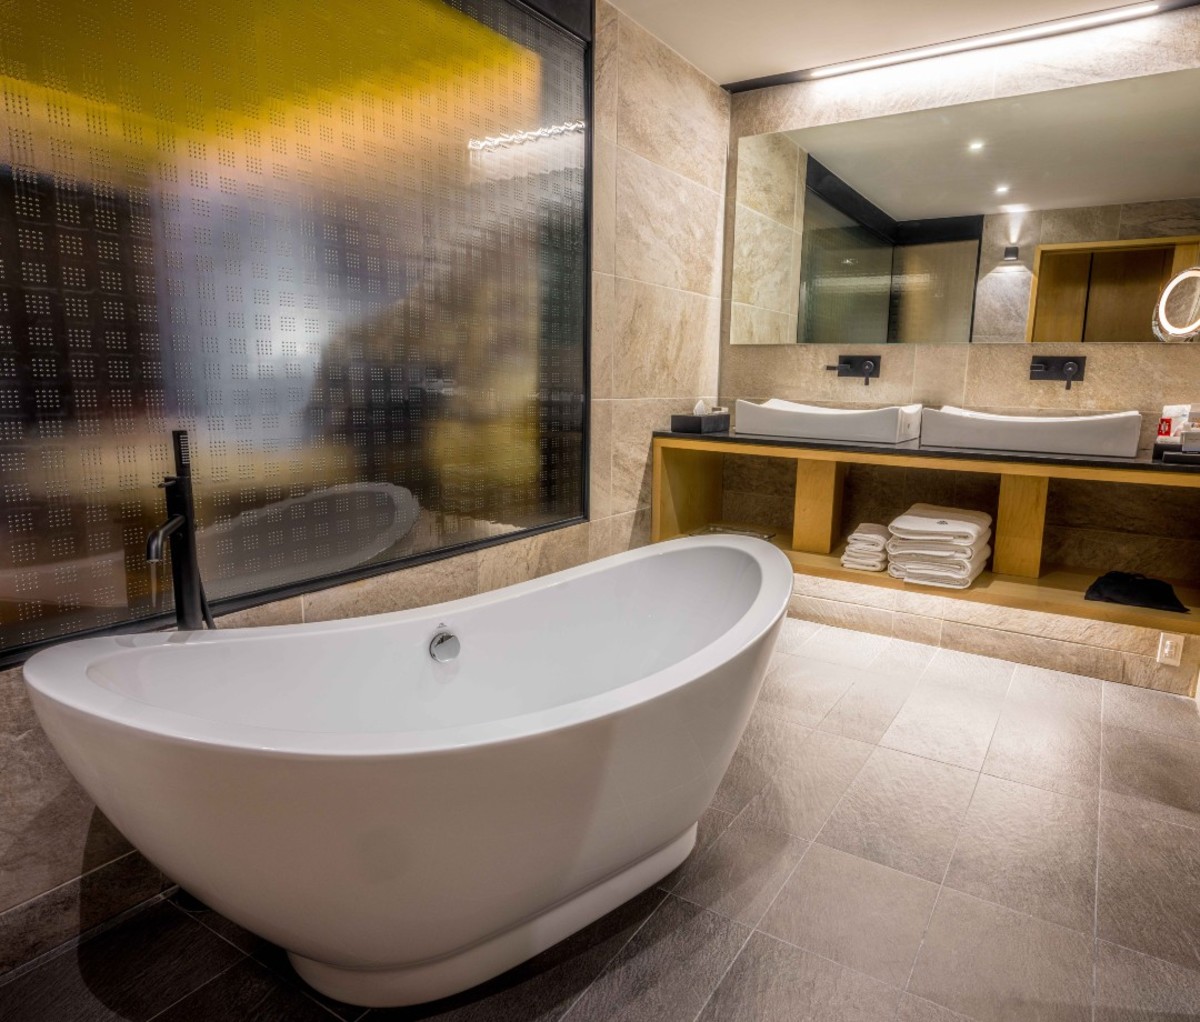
(1098, 649)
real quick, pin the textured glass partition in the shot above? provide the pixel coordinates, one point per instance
(342, 243)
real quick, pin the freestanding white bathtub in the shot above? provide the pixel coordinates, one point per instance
(408, 828)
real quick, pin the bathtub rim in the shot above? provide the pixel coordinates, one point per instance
(59, 675)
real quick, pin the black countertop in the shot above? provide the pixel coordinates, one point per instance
(1142, 460)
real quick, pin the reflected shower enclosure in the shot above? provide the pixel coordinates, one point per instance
(343, 244)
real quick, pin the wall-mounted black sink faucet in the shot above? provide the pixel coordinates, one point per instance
(191, 607)
(1055, 367)
(862, 367)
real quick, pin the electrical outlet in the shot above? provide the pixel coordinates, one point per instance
(1170, 648)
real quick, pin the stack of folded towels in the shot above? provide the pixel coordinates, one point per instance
(866, 549)
(939, 546)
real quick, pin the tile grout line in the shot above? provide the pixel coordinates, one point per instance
(207, 982)
(721, 979)
(613, 957)
(954, 851)
(1096, 876)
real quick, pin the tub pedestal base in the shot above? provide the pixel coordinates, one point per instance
(427, 981)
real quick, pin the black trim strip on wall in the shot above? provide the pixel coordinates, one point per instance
(573, 15)
(845, 198)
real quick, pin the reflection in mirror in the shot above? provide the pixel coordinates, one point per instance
(1087, 202)
(1177, 312)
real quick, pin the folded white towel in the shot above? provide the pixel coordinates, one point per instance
(912, 550)
(868, 536)
(864, 562)
(928, 521)
(955, 574)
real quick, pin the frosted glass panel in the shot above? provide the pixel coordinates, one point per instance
(341, 243)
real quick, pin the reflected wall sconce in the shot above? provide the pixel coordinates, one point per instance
(1011, 253)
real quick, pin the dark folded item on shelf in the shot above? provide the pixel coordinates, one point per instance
(1181, 458)
(713, 422)
(1134, 591)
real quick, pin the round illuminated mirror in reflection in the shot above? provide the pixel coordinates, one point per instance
(1177, 314)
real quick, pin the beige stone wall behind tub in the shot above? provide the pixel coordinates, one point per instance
(657, 216)
(1127, 526)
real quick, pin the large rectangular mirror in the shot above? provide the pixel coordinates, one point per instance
(1057, 216)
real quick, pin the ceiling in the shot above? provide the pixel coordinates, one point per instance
(1095, 145)
(734, 40)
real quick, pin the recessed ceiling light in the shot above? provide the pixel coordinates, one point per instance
(1001, 189)
(1045, 28)
(975, 146)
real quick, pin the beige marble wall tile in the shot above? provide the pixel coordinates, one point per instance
(668, 227)
(533, 557)
(766, 176)
(841, 615)
(633, 423)
(600, 460)
(775, 476)
(1167, 42)
(619, 533)
(668, 111)
(667, 342)
(604, 333)
(1160, 219)
(43, 923)
(280, 612)
(450, 578)
(916, 628)
(1087, 223)
(1054, 654)
(1002, 305)
(863, 595)
(939, 374)
(751, 325)
(763, 257)
(604, 204)
(1104, 634)
(605, 70)
(1146, 672)
(797, 372)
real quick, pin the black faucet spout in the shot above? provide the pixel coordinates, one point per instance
(156, 539)
(191, 608)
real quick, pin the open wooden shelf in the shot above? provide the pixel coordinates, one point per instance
(688, 496)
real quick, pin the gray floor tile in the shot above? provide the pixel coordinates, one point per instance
(246, 991)
(902, 811)
(870, 705)
(1035, 744)
(803, 690)
(794, 634)
(773, 982)
(1152, 774)
(803, 793)
(844, 646)
(739, 876)
(1031, 850)
(765, 745)
(917, 1009)
(996, 965)
(1147, 710)
(1132, 987)
(1149, 898)
(951, 724)
(543, 988)
(132, 972)
(855, 912)
(904, 658)
(969, 671)
(710, 826)
(1071, 695)
(667, 971)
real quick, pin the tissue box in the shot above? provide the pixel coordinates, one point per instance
(713, 422)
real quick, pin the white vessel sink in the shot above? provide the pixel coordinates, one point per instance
(1112, 435)
(890, 425)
